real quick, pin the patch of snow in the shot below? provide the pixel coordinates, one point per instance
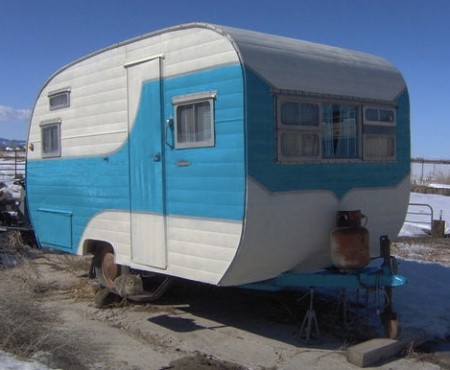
(424, 303)
(439, 186)
(418, 225)
(411, 229)
(10, 362)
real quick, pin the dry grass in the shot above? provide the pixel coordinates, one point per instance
(84, 290)
(26, 328)
(14, 243)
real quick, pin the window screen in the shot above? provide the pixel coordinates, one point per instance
(299, 114)
(340, 126)
(51, 139)
(194, 124)
(299, 133)
(59, 99)
(379, 147)
(302, 144)
(379, 134)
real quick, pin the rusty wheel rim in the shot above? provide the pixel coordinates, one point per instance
(110, 270)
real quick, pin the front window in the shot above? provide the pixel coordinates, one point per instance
(311, 129)
(340, 127)
(316, 130)
(379, 133)
(298, 130)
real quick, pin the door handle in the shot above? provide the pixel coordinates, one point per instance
(169, 129)
(157, 157)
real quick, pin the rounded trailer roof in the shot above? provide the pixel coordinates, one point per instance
(300, 66)
(310, 68)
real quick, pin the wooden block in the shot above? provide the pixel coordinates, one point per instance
(372, 351)
(378, 350)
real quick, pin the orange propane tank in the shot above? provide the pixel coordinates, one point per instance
(350, 242)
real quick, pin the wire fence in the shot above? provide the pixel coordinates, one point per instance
(12, 164)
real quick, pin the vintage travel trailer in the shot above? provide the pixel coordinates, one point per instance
(217, 154)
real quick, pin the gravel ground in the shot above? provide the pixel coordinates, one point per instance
(196, 326)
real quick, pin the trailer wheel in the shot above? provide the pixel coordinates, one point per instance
(106, 269)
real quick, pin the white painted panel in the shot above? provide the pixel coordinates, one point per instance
(202, 249)
(198, 249)
(99, 87)
(290, 231)
(98, 107)
(112, 227)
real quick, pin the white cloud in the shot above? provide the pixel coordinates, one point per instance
(9, 114)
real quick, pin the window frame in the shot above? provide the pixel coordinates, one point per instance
(194, 100)
(357, 125)
(379, 158)
(369, 132)
(299, 130)
(379, 122)
(318, 129)
(58, 93)
(46, 125)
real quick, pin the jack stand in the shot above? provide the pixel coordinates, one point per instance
(344, 305)
(310, 321)
(388, 317)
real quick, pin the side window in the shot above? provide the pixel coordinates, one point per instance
(379, 132)
(51, 139)
(299, 135)
(194, 120)
(59, 99)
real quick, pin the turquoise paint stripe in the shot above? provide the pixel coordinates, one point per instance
(213, 187)
(338, 178)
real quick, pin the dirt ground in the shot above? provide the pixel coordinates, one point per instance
(196, 326)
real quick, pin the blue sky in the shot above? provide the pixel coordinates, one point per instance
(39, 37)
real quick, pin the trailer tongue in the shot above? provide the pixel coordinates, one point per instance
(383, 277)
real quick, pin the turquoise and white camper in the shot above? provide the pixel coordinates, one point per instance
(216, 154)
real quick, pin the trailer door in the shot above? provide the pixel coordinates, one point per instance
(147, 203)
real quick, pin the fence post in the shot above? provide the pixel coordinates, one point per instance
(15, 163)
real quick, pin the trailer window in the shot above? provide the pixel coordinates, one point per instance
(379, 133)
(378, 147)
(51, 139)
(340, 126)
(59, 99)
(194, 121)
(299, 135)
(313, 131)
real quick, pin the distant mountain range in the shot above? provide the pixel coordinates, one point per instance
(8, 143)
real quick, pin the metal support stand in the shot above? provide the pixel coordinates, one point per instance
(344, 305)
(310, 321)
(388, 317)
